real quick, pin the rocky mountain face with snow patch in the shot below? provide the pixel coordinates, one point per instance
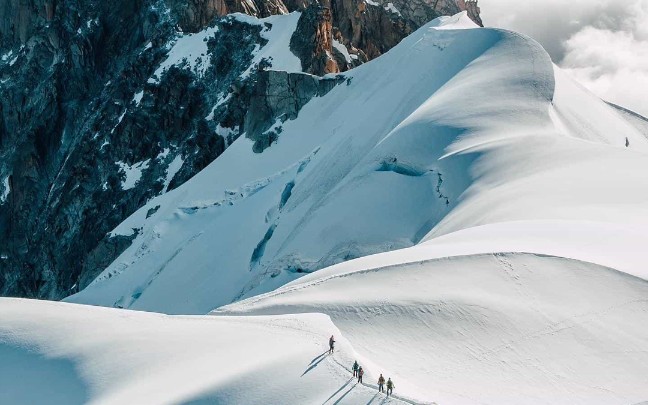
(106, 105)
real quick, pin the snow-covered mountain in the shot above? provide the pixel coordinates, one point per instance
(458, 213)
(107, 104)
(451, 130)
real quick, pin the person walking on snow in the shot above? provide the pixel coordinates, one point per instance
(360, 374)
(390, 386)
(381, 383)
(355, 368)
(331, 344)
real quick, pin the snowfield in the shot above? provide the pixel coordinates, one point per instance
(55, 353)
(494, 329)
(459, 214)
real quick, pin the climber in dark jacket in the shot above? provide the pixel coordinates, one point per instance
(355, 368)
(381, 383)
(390, 386)
(331, 344)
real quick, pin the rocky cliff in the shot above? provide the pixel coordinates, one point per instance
(101, 111)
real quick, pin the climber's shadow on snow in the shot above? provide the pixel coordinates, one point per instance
(339, 390)
(371, 401)
(380, 400)
(317, 360)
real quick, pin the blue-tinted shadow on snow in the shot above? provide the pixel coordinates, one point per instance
(315, 362)
(393, 165)
(339, 390)
(27, 377)
(346, 393)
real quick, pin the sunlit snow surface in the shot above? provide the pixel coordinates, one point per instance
(450, 130)
(55, 353)
(510, 215)
(494, 329)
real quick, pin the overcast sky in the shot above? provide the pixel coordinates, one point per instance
(602, 43)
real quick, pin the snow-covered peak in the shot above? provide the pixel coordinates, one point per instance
(455, 22)
(450, 130)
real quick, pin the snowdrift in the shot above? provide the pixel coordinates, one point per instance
(475, 329)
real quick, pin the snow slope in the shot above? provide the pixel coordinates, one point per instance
(452, 129)
(55, 353)
(640, 122)
(508, 218)
(476, 329)
(485, 329)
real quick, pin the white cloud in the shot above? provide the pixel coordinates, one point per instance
(602, 43)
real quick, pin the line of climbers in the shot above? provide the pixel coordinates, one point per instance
(359, 372)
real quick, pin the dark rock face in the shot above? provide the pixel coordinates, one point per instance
(278, 97)
(314, 44)
(474, 12)
(20, 18)
(91, 127)
(194, 15)
(369, 29)
(79, 117)
(366, 29)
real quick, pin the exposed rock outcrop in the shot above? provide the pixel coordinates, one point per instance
(19, 19)
(278, 97)
(474, 12)
(313, 41)
(87, 137)
(195, 15)
(367, 29)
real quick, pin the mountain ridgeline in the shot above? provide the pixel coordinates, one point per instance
(97, 117)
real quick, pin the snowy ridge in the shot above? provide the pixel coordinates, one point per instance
(155, 359)
(638, 121)
(462, 128)
(486, 328)
(460, 216)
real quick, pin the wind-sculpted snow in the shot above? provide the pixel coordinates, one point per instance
(507, 210)
(495, 328)
(452, 129)
(500, 329)
(55, 353)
